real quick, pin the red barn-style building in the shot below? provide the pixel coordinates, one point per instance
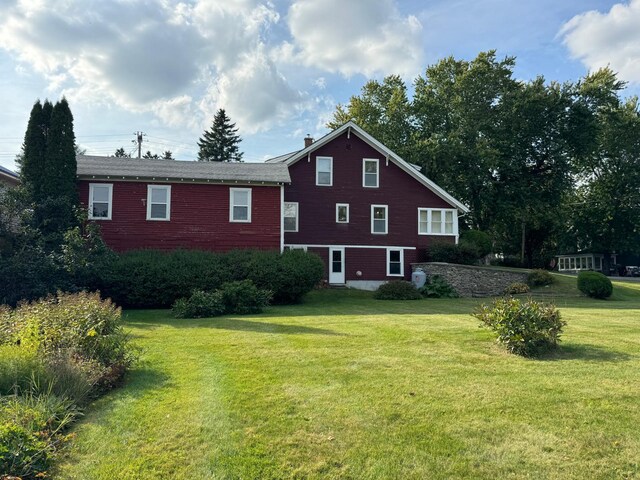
(167, 204)
(348, 198)
(363, 209)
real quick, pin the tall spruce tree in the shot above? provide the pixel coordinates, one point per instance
(32, 160)
(220, 143)
(61, 166)
(48, 169)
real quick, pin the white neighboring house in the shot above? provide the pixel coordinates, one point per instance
(576, 262)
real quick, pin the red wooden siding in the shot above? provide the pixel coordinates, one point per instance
(317, 204)
(199, 218)
(397, 189)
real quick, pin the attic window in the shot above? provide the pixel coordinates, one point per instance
(370, 172)
(324, 171)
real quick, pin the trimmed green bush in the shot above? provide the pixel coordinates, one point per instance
(524, 328)
(517, 288)
(397, 290)
(463, 253)
(154, 279)
(540, 278)
(200, 304)
(243, 297)
(437, 287)
(481, 241)
(595, 285)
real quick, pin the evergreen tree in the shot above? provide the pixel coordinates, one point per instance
(150, 156)
(220, 143)
(120, 153)
(32, 160)
(61, 166)
(48, 170)
(167, 155)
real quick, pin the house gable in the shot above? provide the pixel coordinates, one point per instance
(350, 128)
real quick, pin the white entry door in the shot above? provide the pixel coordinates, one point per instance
(336, 265)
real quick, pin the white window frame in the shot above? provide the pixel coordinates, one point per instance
(167, 188)
(109, 206)
(389, 274)
(442, 221)
(338, 205)
(297, 216)
(386, 219)
(330, 184)
(364, 163)
(231, 205)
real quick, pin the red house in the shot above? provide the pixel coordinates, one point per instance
(348, 198)
(167, 204)
(362, 208)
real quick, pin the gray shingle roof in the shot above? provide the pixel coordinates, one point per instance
(8, 172)
(175, 170)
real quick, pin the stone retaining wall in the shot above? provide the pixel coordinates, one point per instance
(473, 281)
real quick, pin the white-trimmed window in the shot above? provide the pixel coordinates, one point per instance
(324, 171)
(290, 214)
(240, 205)
(159, 202)
(342, 213)
(379, 218)
(100, 201)
(395, 262)
(436, 221)
(370, 172)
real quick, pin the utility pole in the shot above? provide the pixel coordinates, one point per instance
(138, 140)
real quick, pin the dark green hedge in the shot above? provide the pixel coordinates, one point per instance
(155, 279)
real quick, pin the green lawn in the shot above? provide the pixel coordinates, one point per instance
(344, 386)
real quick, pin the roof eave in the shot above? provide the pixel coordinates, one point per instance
(134, 178)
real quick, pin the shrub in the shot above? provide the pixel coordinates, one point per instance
(200, 304)
(437, 287)
(30, 430)
(289, 275)
(481, 241)
(516, 288)
(524, 328)
(79, 327)
(594, 284)
(463, 253)
(154, 279)
(243, 297)
(397, 290)
(539, 278)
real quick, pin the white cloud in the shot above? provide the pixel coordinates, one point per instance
(612, 38)
(355, 36)
(257, 78)
(157, 56)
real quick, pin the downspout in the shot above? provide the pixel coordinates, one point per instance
(281, 218)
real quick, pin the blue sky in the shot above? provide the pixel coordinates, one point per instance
(279, 68)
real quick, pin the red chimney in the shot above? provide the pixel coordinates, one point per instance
(307, 141)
